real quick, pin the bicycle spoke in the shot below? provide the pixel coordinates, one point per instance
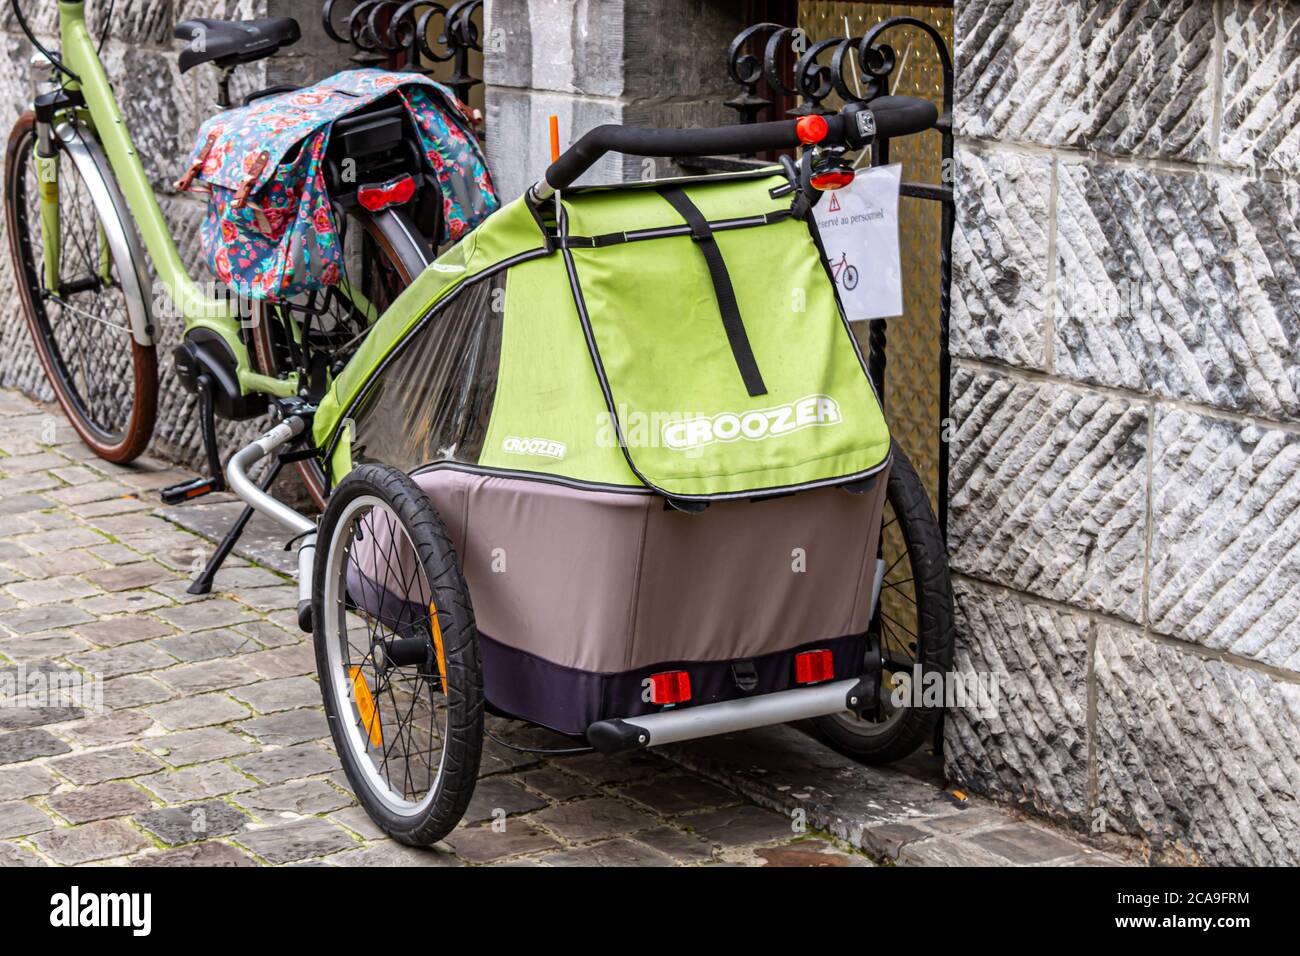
(391, 592)
(89, 340)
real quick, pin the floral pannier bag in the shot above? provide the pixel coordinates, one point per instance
(270, 229)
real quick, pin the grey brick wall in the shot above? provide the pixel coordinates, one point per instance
(163, 110)
(1125, 493)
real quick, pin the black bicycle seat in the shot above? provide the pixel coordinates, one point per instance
(229, 43)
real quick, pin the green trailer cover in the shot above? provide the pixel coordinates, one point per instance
(682, 335)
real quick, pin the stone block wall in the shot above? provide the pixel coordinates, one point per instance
(163, 110)
(1125, 521)
(617, 61)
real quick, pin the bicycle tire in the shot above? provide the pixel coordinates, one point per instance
(368, 735)
(115, 433)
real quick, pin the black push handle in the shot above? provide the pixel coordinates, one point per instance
(901, 115)
(854, 127)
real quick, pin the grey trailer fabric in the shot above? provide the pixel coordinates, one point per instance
(612, 583)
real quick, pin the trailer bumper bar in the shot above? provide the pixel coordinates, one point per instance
(706, 720)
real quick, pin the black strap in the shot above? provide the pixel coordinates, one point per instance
(702, 233)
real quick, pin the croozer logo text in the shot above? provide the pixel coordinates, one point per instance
(533, 446)
(755, 425)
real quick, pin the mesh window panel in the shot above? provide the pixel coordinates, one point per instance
(434, 399)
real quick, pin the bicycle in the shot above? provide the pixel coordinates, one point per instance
(844, 273)
(78, 203)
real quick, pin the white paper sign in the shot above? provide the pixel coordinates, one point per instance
(859, 227)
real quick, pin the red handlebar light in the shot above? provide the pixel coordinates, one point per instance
(811, 129)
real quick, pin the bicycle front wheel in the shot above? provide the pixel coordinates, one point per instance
(105, 381)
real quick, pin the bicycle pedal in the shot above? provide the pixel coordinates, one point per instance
(189, 490)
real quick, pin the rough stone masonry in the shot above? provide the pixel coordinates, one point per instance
(1126, 468)
(1125, 490)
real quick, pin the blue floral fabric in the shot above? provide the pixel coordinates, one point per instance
(270, 230)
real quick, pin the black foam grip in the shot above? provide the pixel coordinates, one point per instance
(632, 141)
(903, 115)
(895, 116)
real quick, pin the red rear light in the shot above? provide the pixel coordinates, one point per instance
(392, 193)
(833, 179)
(670, 687)
(813, 667)
(811, 129)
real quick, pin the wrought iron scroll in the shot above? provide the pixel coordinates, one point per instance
(412, 35)
(774, 63)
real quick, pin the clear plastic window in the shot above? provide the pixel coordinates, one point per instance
(433, 400)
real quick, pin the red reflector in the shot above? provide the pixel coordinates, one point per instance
(670, 687)
(812, 667)
(392, 193)
(835, 179)
(811, 129)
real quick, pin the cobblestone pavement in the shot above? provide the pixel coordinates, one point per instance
(210, 746)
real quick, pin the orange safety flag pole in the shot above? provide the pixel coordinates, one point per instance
(555, 137)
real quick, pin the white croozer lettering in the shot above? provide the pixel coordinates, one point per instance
(533, 446)
(756, 425)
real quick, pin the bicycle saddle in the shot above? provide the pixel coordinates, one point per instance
(229, 43)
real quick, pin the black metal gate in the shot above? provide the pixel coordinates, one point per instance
(431, 38)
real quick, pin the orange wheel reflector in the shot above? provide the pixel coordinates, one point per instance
(436, 629)
(366, 707)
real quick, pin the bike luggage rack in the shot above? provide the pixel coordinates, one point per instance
(411, 35)
(814, 73)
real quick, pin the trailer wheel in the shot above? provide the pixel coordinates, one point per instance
(913, 624)
(397, 653)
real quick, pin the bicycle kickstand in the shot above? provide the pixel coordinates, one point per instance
(203, 583)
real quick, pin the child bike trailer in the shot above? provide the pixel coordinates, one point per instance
(634, 425)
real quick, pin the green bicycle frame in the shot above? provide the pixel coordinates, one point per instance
(199, 310)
